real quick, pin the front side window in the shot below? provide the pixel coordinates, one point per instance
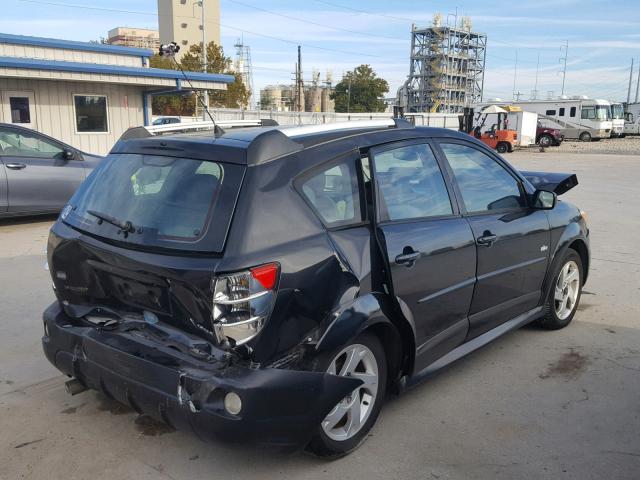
(20, 112)
(588, 113)
(484, 183)
(333, 193)
(91, 113)
(14, 144)
(410, 184)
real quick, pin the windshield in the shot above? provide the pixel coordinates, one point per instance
(617, 112)
(159, 199)
(602, 112)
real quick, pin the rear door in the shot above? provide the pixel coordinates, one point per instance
(429, 246)
(512, 240)
(39, 176)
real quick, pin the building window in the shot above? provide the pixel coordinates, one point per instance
(572, 112)
(200, 26)
(551, 112)
(20, 110)
(182, 2)
(561, 112)
(184, 25)
(184, 42)
(91, 113)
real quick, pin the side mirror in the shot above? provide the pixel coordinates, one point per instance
(544, 200)
(69, 154)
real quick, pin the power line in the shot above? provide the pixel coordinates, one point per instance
(133, 12)
(357, 10)
(310, 22)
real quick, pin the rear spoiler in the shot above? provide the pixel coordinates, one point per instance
(558, 183)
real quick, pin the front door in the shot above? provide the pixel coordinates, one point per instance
(19, 108)
(429, 247)
(512, 240)
(39, 176)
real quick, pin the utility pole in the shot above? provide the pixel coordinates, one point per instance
(564, 45)
(515, 73)
(638, 84)
(349, 95)
(535, 88)
(204, 62)
(299, 100)
(630, 80)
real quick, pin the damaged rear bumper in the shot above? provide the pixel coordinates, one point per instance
(279, 407)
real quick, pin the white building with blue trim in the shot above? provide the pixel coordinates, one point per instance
(85, 94)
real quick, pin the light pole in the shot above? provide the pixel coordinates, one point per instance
(204, 58)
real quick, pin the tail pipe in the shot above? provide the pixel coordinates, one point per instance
(74, 386)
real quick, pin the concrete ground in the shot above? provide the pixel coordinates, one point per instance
(533, 404)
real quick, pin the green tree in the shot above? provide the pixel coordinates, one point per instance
(360, 90)
(235, 96)
(170, 104)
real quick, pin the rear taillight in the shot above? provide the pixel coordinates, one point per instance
(242, 302)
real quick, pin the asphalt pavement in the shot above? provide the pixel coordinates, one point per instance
(533, 404)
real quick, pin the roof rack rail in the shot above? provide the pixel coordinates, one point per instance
(172, 128)
(354, 124)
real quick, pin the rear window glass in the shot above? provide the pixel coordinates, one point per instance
(162, 199)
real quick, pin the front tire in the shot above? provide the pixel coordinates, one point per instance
(564, 296)
(347, 425)
(585, 137)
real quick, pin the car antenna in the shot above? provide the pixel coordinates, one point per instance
(169, 50)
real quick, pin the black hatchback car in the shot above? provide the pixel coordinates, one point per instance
(272, 284)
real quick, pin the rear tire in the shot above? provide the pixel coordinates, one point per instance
(545, 141)
(585, 137)
(502, 147)
(564, 295)
(333, 438)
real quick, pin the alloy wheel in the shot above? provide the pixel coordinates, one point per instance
(567, 289)
(351, 413)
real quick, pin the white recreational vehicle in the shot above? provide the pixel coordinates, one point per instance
(632, 119)
(617, 119)
(579, 117)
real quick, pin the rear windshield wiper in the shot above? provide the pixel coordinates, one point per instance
(126, 226)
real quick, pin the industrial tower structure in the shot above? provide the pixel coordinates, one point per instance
(242, 66)
(447, 67)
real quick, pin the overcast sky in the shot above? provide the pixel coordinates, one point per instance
(338, 35)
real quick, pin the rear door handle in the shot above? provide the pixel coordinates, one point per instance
(486, 239)
(407, 259)
(16, 166)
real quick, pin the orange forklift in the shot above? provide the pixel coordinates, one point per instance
(498, 137)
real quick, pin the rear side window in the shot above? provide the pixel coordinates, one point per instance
(550, 112)
(333, 193)
(561, 112)
(484, 183)
(168, 200)
(411, 184)
(572, 112)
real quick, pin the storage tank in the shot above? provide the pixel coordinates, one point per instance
(326, 104)
(313, 99)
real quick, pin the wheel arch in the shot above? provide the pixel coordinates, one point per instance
(571, 239)
(375, 313)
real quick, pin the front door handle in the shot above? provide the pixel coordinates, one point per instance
(16, 166)
(486, 239)
(407, 259)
